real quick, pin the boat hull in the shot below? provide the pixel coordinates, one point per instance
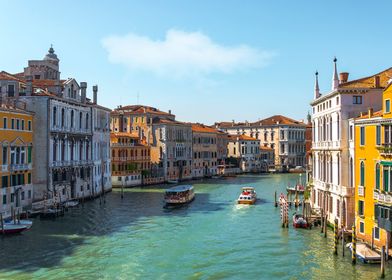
(248, 202)
(179, 203)
(13, 229)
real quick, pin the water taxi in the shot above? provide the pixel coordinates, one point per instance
(179, 195)
(299, 221)
(247, 196)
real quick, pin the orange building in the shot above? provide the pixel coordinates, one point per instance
(131, 159)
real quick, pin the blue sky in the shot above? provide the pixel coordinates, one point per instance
(207, 61)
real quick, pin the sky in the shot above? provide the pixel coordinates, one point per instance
(206, 61)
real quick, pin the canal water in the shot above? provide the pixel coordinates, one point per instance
(212, 238)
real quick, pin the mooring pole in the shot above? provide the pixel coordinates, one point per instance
(383, 262)
(354, 246)
(335, 227)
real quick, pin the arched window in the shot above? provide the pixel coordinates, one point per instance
(54, 116)
(80, 120)
(62, 117)
(362, 174)
(351, 172)
(87, 121)
(338, 127)
(377, 176)
(72, 118)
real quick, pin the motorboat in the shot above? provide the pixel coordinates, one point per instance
(27, 223)
(297, 188)
(10, 228)
(179, 195)
(365, 254)
(172, 181)
(247, 196)
(299, 221)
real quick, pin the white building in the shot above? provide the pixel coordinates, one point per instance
(333, 189)
(247, 150)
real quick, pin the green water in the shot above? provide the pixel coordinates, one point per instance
(213, 238)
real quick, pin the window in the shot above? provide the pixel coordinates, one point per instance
(12, 123)
(4, 199)
(5, 156)
(378, 135)
(351, 132)
(62, 117)
(337, 100)
(11, 90)
(80, 120)
(29, 125)
(387, 106)
(17, 124)
(387, 137)
(4, 181)
(362, 135)
(29, 154)
(29, 194)
(72, 118)
(362, 174)
(357, 99)
(23, 125)
(377, 176)
(5, 123)
(361, 205)
(54, 116)
(386, 179)
(377, 233)
(28, 178)
(362, 227)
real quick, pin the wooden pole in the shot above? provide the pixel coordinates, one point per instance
(387, 246)
(335, 227)
(325, 225)
(322, 220)
(2, 223)
(354, 246)
(343, 241)
(276, 202)
(372, 244)
(383, 262)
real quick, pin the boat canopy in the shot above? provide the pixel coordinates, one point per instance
(248, 188)
(182, 188)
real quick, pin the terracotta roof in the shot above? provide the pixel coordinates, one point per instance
(123, 134)
(368, 82)
(138, 109)
(168, 121)
(241, 137)
(276, 120)
(5, 76)
(266, 148)
(196, 127)
(374, 115)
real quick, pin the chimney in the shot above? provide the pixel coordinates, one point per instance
(376, 81)
(95, 92)
(29, 85)
(361, 114)
(370, 112)
(83, 87)
(343, 77)
(170, 112)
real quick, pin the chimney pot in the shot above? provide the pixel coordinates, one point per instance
(370, 112)
(170, 112)
(376, 81)
(95, 94)
(83, 87)
(343, 77)
(29, 85)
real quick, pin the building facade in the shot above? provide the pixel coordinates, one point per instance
(63, 117)
(373, 173)
(131, 159)
(171, 148)
(286, 136)
(205, 151)
(247, 150)
(332, 159)
(16, 160)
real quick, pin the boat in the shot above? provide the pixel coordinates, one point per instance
(27, 223)
(299, 221)
(10, 228)
(297, 188)
(365, 254)
(51, 213)
(172, 181)
(71, 203)
(179, 195)
(247, 196)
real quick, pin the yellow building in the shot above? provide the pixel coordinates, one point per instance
(16, 138)
(371, 134)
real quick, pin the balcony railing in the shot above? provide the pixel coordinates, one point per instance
(382, 197)
(4, 168)
(65, 163)
(20, 167)
(385, 149)
(361, 190)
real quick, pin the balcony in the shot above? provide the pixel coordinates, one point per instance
(20, 167)
(361, 190)
(70, 163)
(347, 191)
(385, 149)
(381, 197)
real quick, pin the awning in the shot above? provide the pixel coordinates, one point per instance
(386, 163)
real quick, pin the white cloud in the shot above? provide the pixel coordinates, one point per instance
(182, 54)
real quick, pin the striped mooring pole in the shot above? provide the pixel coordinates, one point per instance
(354, 246)
(335, 245)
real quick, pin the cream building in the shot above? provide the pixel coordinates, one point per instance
(247, 150)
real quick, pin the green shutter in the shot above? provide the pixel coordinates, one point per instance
(362, 173)
(386, 179)
(377, 176)
(29, 154)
